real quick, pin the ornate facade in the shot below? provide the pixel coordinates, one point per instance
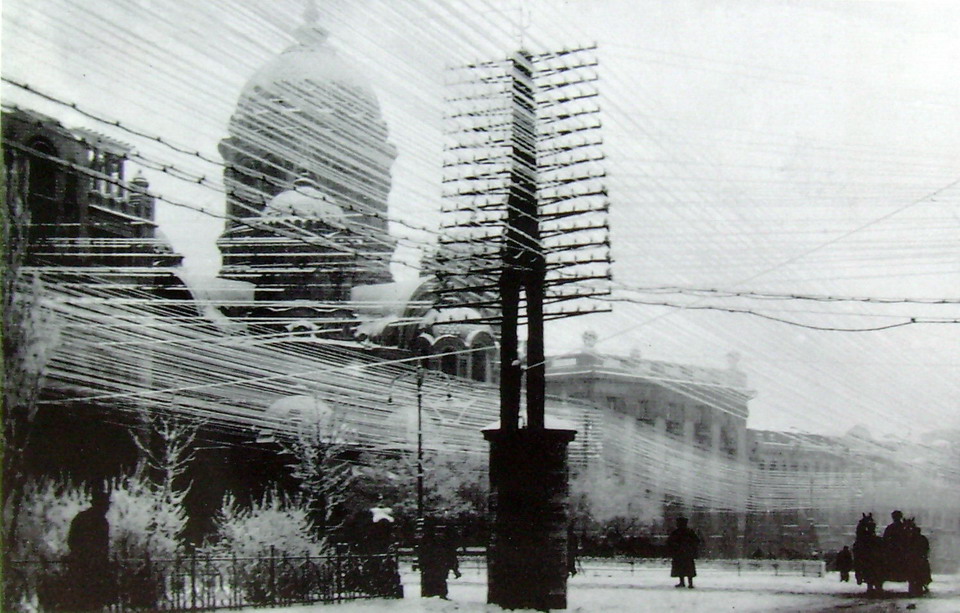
(678, 434)
(68, 188)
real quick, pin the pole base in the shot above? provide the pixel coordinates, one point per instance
(529, 507)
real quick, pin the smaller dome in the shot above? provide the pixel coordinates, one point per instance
(302, 410)
(305, 201)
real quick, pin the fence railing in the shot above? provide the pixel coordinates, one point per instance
(805, 568)
(206, 582)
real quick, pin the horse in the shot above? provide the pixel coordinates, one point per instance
(916, 548)
(869, 555)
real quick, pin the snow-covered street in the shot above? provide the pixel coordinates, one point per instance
(617, 589)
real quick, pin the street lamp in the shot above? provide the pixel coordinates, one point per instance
(419, 376)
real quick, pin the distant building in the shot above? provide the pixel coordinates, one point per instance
(80, 224)
(675, 431)
(678, 434)
(804, 487)
(69, 188)
(810, 490)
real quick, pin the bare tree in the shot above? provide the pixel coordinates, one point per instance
(166, 451)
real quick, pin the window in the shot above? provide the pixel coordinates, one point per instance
(478, 366)
(448, 364)
(42, 177)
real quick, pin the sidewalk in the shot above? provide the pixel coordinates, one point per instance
(651, 589)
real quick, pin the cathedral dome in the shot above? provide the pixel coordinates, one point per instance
(309, 113)
(307, 144)
(311, 60)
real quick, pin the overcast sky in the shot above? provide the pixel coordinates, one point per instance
(797, 149)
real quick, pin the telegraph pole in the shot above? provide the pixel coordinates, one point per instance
(526, 559)
(528, 228)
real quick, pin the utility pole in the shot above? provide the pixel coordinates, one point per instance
(522, 160)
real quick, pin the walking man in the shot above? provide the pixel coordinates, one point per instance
(438, 558)
(845, 563)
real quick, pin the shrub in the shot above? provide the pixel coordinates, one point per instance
(144, 520)
(278, 527)
(46, 510)
(277, 520)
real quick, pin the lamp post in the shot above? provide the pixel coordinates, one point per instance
(419, 375)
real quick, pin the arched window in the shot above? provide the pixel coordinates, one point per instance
(448, 364)
(43, 174)
(478, 365)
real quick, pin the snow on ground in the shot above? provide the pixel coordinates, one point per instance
(620, 589)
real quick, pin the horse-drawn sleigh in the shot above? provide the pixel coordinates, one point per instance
(901, 556)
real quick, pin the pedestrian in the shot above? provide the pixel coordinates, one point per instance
(380, 550)
(845, 563)
(88, 559)
(573, 546)
(684, 546)
(438, 557)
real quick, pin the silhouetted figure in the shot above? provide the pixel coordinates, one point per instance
(917, 558)
(845, 563)
(758, 554)
(383, 570)
(573, 547)
(896, 534)
(88, 562)
(684, 546)
(868, 554)
(438, 557)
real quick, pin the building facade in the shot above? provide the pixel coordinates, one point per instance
(678, 434)
(675, 432)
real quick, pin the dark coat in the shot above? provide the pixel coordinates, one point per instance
(88, 563)
(438, 557)
(845, 561)
(684, 546)
(89, 537)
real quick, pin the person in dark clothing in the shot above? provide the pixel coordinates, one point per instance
(438, 557)
(896, 532)
(383, 563)
(573, 547)
(88, 561)
(845, 563)
(684, 546)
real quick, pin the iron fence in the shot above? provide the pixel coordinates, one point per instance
(198, 582)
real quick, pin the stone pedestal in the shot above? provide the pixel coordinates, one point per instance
(529, 507)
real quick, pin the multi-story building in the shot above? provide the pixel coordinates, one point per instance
(68, 189)
(676, 432)
(81, 235)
